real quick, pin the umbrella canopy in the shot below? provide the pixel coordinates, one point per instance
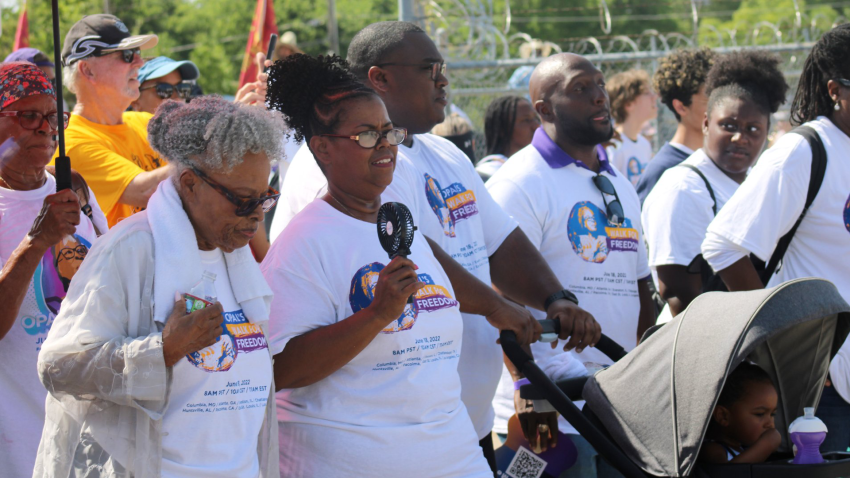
(657, 401)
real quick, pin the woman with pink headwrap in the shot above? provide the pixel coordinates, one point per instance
(44, 236)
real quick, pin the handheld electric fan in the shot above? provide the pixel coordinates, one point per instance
(395, 230)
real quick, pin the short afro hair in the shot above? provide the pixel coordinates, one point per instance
(310, 90)
(681, 74)
(374, 43)
(754, 75)
(623, 88)
(214, 134)
(737, 382)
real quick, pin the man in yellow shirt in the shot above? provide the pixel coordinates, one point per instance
(106, 144)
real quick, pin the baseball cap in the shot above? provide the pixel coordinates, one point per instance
(162, 65)
(100, 34)
(30, 55)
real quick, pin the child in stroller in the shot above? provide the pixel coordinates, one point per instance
(742, 428)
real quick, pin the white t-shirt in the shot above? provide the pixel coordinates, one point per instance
(679, 209)
(218, 395)
(768, 204)
(460, 215)
(630, 157)
(22, 413)
(393, 410)
(455, 211)
(563, 214)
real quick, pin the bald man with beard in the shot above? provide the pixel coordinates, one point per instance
(582, 215)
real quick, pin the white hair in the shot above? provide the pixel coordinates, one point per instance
(214, 134)
(70, 76)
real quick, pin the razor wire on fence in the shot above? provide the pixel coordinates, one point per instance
(482, 57)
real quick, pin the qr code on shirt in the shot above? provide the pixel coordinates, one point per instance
(526, 465)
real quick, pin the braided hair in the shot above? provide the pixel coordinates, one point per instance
(828, 60)
(499, 123)
(310, 90)
(753, 75)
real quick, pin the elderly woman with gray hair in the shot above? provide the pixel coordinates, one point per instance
(138, 384)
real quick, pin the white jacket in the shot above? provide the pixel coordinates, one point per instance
(103, 366)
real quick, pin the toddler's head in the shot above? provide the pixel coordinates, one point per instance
(746, 406)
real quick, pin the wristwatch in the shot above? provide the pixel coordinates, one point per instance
(564, 294)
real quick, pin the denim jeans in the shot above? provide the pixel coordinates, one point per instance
(835, 414)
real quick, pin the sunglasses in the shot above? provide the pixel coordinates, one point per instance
(127, 55)
(437, 68)
(613, 209)
(843, 82)
(370, 139)
(165, 91)
(32, 120)
(244, 206)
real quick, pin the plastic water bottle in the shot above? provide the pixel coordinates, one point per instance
(807, 434)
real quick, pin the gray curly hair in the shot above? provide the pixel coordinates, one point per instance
(214, 133)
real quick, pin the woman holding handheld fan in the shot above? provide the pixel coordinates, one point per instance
(370, 381)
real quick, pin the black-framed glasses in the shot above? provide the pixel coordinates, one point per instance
(370, 139)
(437, 67)
(32, 120)
(127, 55)
(165, 90)
(843, 82)
(244, 206)
(613, 209)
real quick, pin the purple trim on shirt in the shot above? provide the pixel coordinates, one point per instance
(556, 157)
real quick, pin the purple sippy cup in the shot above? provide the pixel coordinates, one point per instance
(807, 433)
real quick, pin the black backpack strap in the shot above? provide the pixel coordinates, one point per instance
(815, 181)
(707, 184)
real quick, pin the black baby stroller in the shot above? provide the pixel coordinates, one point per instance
(648, 413)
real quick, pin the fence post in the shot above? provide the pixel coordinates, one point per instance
(405, 11)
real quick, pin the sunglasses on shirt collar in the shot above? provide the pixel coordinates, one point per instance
(613, 209)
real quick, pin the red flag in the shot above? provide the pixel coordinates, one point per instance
(258, 39)
(22, 36)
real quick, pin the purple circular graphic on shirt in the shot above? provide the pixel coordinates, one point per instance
(847, 214)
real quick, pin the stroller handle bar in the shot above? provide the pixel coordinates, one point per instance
(611, 349)
(565, 406)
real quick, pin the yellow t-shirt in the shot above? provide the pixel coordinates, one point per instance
(109, 157)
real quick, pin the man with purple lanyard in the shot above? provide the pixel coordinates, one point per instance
(581, 214)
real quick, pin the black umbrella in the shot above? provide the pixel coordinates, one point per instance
(63, 162)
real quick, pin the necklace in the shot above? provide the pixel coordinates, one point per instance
(346, 210)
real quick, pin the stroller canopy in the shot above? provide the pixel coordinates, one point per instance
(657, 401)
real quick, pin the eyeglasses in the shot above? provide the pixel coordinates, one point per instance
(32, 120)
(843, 82)
(613, 209)
(244, 206)
(437, 67)
(370, 139)
(165, 91)
(127, 55)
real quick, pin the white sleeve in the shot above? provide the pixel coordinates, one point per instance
(675, 220)
(516, 202)
(303, 183)
(765, 207)
(498, 224)
(643, 271)
(299, 304)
